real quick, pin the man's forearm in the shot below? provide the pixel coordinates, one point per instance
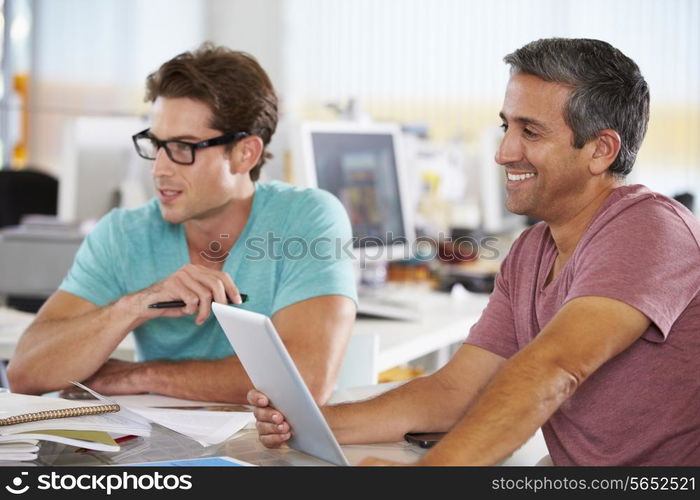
(422, 405)
(519, 400)
(427, 404)
(53, 352)
(222, 380)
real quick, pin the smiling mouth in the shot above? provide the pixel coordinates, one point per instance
(519, 177)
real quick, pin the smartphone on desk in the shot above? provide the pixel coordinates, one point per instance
(424, 439)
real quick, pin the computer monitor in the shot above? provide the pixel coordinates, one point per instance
(362, 164)
(101, 170)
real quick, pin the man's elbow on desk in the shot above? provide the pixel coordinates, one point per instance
(18, 380)
(24, 380)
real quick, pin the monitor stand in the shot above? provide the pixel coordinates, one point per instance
(375, 298)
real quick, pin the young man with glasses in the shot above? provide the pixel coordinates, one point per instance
(212, 233)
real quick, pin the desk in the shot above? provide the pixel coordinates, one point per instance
(376, 344)
(445, 320)
(164, 444)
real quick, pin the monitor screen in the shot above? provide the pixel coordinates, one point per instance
(362, 169)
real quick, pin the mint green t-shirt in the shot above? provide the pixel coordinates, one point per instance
(295, 246)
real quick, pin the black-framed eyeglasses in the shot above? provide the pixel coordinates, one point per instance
(180, 152)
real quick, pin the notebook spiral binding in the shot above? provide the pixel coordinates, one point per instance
(63, 413)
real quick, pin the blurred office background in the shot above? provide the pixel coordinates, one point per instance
(73, 76)
(434, 66)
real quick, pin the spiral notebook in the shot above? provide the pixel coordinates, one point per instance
(22, 408)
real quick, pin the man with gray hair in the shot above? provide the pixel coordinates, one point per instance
(591, 332)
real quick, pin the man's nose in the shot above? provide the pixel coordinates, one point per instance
(509, 150)
(162, 166)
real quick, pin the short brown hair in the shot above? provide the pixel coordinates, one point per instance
(233, 85)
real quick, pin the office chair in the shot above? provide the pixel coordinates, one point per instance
(24, 192)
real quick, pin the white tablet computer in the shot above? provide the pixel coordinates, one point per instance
(272, 371)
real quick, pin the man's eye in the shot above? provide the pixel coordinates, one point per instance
(179, 147)
(504, 127)
(529, 133)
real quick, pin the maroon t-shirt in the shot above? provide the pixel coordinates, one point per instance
(643, 406)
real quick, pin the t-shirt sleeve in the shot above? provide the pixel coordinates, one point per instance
(495, 330)
(93, 274)
(647, 257)
(316, 251)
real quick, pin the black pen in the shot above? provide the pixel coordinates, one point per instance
(179, 303)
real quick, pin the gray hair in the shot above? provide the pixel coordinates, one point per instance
(608, 90)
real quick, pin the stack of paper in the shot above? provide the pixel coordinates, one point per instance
(26, 420)
(25, 445)
(18, 450)
(207, 423)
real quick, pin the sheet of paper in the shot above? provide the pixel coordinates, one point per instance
(18, 457)
(28, 446)
(205, 427)
(206, 422)
(20, 450)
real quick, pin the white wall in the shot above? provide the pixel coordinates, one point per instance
(440, 62)
(259, 28)
(92, 57)
(437, 62)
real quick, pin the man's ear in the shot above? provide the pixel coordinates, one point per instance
(246, 154)
(607, 147)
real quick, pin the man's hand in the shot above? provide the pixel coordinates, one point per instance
(273, 429)
(197, 286)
